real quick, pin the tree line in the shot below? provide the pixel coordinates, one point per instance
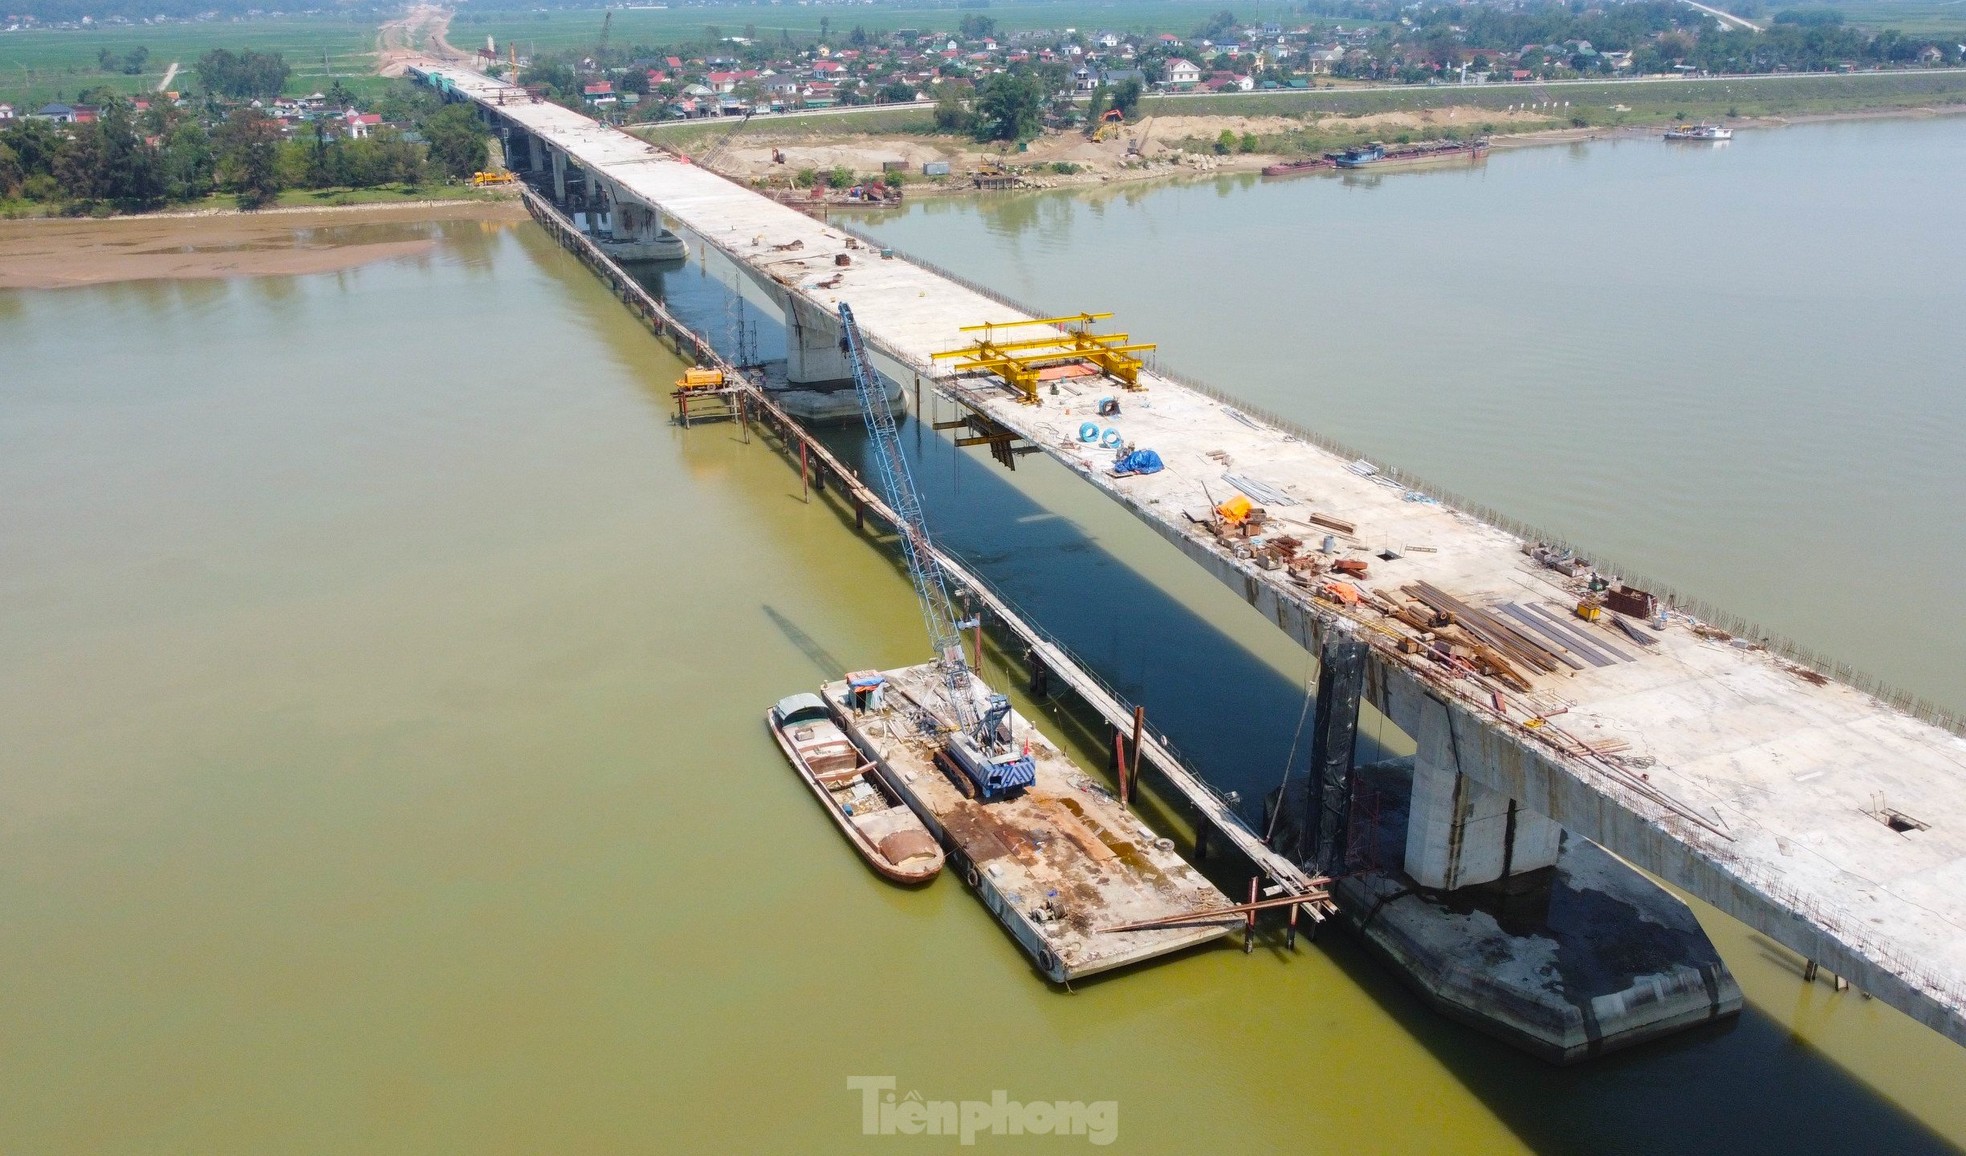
(126, 161)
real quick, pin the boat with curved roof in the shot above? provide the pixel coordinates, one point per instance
(867, 811)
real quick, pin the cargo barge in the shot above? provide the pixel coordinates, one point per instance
(1306, 165)
(1058, 861)
(1377, 155)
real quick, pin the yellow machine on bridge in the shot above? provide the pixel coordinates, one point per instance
(700, 378)
(1024, 364)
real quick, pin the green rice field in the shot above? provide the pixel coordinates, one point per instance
(56, 64)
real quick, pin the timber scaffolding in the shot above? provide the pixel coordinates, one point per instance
(1291, 885)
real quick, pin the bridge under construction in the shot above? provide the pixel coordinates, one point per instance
(1542, 698)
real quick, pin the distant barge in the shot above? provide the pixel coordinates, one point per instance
(1058, 862)
(1377, 155)
(1699, 132)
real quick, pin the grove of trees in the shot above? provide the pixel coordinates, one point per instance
(128, 161)
(244, 75)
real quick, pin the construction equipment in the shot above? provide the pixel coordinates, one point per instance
(980, 744)
(1023, 364)
(498, 178)
(1235, 511)
(1109, 124)
(700, 378)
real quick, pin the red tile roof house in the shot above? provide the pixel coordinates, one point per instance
(360, 124)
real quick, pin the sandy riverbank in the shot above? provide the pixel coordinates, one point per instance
(51, 253)
(1168, 145)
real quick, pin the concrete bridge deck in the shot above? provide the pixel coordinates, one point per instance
(1725, 770)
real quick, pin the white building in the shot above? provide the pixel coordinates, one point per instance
(1179, 71)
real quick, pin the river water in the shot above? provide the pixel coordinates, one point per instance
(381, 682)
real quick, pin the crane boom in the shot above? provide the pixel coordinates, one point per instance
(981, 742)
(898, 486)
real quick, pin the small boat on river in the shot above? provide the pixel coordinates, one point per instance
(1699, 132)
(867, 811)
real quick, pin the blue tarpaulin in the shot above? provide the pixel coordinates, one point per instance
(1138, 462)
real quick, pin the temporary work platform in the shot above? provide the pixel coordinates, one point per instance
(1022, 364)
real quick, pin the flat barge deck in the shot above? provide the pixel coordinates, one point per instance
(1057, 862)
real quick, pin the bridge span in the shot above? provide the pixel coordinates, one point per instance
(1826, 819)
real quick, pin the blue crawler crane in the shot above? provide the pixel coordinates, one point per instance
(981, 744)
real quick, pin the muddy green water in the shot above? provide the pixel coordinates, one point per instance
(382, 770)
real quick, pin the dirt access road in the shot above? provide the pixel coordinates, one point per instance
(419, 32)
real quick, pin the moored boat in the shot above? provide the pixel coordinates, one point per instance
(867, 811)
(1377, 155)
(1307, 164)
(1699, 132)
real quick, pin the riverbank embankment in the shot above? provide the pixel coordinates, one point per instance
(1243, 132)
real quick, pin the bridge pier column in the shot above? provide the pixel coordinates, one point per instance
(1340, 681)
(559, 176)
(535, 153)
(1460, 832)
(812, 345)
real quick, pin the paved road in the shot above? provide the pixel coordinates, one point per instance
(1728, 17)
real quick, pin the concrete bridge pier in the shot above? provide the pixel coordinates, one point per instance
(1491, 911)
(812, 346)
(593, 200)
(559, 176)
(1459, 832)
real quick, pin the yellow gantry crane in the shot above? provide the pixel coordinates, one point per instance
(1021, 364)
